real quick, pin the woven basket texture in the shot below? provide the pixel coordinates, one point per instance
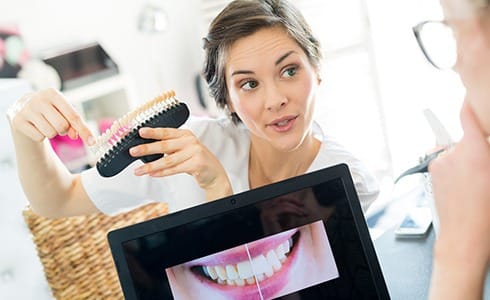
(75, 253)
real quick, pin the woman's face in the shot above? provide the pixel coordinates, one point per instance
(271, 86)
(472, 32)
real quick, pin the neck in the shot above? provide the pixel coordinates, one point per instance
(268, 165)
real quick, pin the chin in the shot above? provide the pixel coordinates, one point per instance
(288, 147)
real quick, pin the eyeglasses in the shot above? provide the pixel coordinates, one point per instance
(436, 40)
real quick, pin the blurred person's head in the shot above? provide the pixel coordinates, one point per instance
(470, 22)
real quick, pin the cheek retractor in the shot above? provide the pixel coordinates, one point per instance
(112, 147)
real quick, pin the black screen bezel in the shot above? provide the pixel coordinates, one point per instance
(118, 237)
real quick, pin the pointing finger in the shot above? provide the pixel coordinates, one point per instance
(74, 119)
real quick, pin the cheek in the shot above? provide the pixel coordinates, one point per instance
(309, 84)
(246, 111)
(308, 93)
(245, 106)
(473, 64)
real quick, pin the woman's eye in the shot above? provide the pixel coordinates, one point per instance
(290, 72)
(249, 85)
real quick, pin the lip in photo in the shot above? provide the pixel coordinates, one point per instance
(264, 269)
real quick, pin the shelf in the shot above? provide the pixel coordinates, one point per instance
(96, 89)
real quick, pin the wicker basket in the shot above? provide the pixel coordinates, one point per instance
(75, 254)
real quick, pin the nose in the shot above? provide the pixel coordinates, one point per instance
(276, 99)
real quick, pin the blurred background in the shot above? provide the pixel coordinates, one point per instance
(108, 56)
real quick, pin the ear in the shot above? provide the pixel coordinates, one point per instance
(318, 76)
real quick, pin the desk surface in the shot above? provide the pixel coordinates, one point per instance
(407, 265)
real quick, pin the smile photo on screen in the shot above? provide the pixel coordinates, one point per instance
(268, 268)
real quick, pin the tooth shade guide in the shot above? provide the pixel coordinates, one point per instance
(130, 121)
(112, 147)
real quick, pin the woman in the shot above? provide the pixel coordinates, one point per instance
(262, 65)
(461, 177)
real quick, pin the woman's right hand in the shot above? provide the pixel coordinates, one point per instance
(45, 114)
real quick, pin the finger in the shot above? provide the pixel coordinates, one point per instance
(183, 167)
(469, 122)
(162, 133)
(32, 132)
(148, 148)
(74, 119)
(169, 161)
(42, 125)
(57, 121)
(72, 133)
(169, 164)
(161, 146)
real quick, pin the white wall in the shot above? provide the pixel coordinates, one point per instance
(408, 83)
(152, 62)
(176, 52)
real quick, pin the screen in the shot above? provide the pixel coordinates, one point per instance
(75, 66)
(417, 218)
(303, 244)
(264, 269)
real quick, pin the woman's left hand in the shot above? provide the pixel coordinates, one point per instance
(184, 153)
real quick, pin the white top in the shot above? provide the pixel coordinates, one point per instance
(230, 144)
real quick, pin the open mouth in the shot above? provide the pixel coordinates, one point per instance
(283, 122)
(250, 271)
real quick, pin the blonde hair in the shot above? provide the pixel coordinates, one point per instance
(479, 3)
(461, 9)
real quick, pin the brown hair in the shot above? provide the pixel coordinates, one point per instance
(242, 18)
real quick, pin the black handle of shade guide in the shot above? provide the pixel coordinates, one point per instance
(118, 158)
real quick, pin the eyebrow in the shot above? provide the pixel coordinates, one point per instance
(276, 63)
(284, 57)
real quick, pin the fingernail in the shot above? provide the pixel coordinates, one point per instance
(139, 172)
(133, 151)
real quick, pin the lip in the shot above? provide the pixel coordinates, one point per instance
(290, 123)
(237, 254)
(268, 286)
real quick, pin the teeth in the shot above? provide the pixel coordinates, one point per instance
(273, 260)
(282, 123)
(245, 269)
(261, 266)
(260, 277)
(248, 272)
(281, 253)
(221, 272)
(210, 271)
(240, 282)
(131, 120)
(231, 272)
